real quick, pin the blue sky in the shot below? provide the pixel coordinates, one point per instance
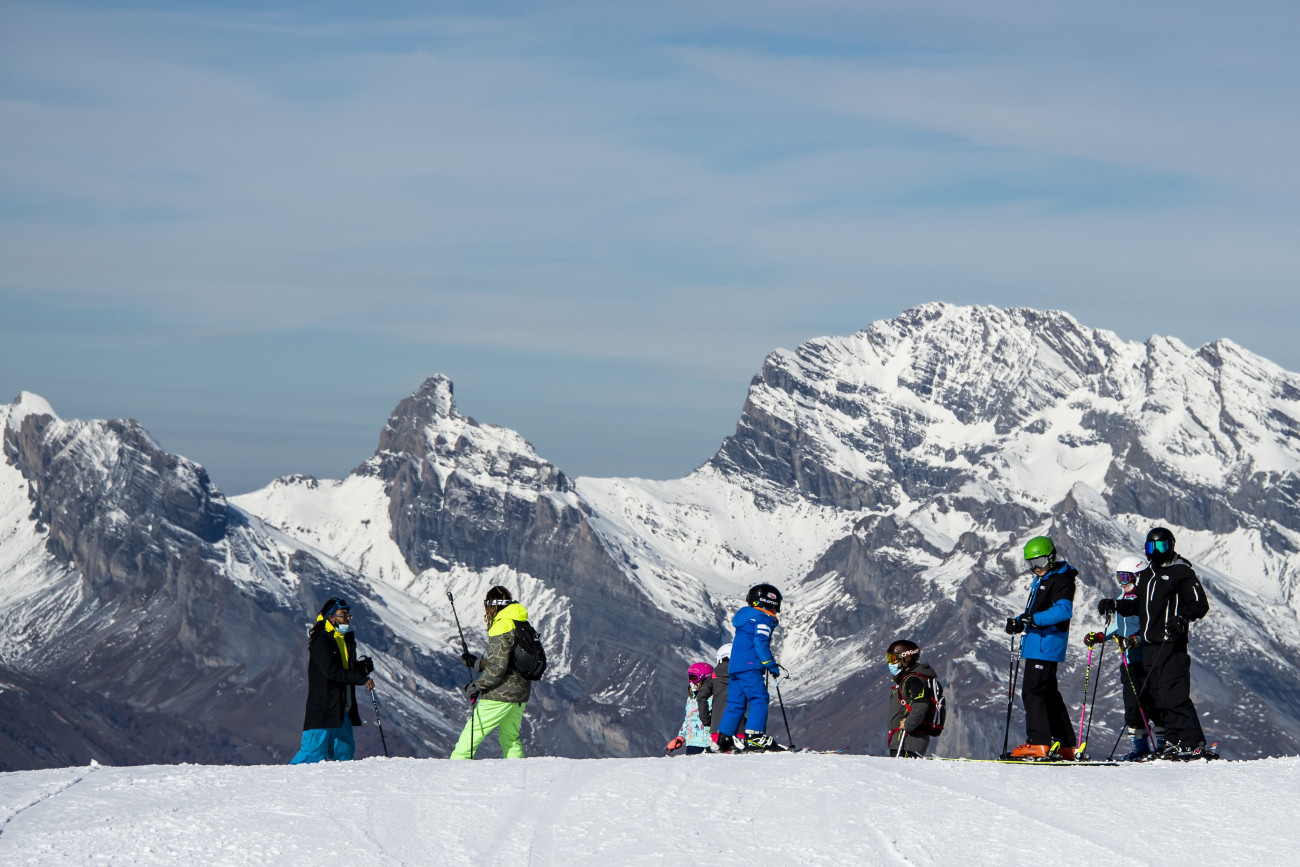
(256, 226)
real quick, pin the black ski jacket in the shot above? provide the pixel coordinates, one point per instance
(911, 702)
(703, 693)
(331, 688)
(1163, 592)
(721, 677)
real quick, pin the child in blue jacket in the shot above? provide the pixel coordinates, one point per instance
(1046, 625)
(751, 662)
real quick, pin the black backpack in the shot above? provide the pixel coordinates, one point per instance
(529, 657)
(939, 708)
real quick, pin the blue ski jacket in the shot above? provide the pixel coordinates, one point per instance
(1050, 606)
(752, 647)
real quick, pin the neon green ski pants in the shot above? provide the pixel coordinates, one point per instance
(487, 715)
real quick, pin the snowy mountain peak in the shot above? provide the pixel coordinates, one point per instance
(428, 429)
(24, 405)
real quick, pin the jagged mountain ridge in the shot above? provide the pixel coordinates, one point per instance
(946, 437)
(885, 481)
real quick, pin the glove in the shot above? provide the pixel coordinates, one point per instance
(472, 692)
(1106, 606)
(1177, 625)
(365, 665)
(1093, 638)
(1014, 626)
(676, 744)
(469, 659)
(773, 669)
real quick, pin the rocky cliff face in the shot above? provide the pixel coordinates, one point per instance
(886, 481)
(975, 429)
(127, 577)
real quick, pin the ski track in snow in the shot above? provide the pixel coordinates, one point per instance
(13, 812)
(768, 809)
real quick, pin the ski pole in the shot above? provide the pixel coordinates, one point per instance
(781, 702)
(1127, 675)
(1101, 658)
(473, 702)
(1083, 711)
(463, 646)
(1013, 667)
(374, 700)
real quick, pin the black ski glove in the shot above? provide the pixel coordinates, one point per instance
(1014, 626)
(469, 659)
(1177, 625)
(365, 664)
(1093, 638)
(1106, 606)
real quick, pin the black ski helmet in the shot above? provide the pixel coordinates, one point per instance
(903, 653)
(1160, 546)
(496, 599)
(764, 596)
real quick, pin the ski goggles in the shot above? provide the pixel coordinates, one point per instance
(1040, 562)
(1126, 577)
(1159, 546)
(896, 658)
(339, 604)
(697, 678)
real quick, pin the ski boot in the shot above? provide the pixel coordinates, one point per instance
(761, 742)
(1178, 752)
(1030, 753)
(1140, 748)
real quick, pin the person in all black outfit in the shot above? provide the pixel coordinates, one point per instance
(333, 674)
(1167, 598)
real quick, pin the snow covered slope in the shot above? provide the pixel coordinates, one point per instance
(761, 810)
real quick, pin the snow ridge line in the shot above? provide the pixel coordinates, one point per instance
(43, 798)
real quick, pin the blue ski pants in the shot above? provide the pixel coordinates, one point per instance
(746, 697)
(326, 745)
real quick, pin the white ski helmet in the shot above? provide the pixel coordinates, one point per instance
(723, 652)
(1128, 569)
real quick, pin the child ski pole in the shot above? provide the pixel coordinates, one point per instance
(1083, 711)
(1101, 657)
(1014, 667)
(788, 736)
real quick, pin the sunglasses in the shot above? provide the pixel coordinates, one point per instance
(1040, 562)
(1159, 546)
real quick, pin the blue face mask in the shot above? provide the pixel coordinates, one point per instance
(344, 628)
(894, 668)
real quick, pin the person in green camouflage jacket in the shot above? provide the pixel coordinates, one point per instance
(500, 694)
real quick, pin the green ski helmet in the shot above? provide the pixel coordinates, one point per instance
(1040, 553)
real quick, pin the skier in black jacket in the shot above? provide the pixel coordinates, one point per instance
(1167, 598)
(333, 674)
(911, 700)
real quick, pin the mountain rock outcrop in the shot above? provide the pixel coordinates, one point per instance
(886, 481)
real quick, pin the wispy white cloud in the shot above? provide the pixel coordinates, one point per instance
(684, 181)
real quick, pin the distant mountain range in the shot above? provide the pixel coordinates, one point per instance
(885, 481)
